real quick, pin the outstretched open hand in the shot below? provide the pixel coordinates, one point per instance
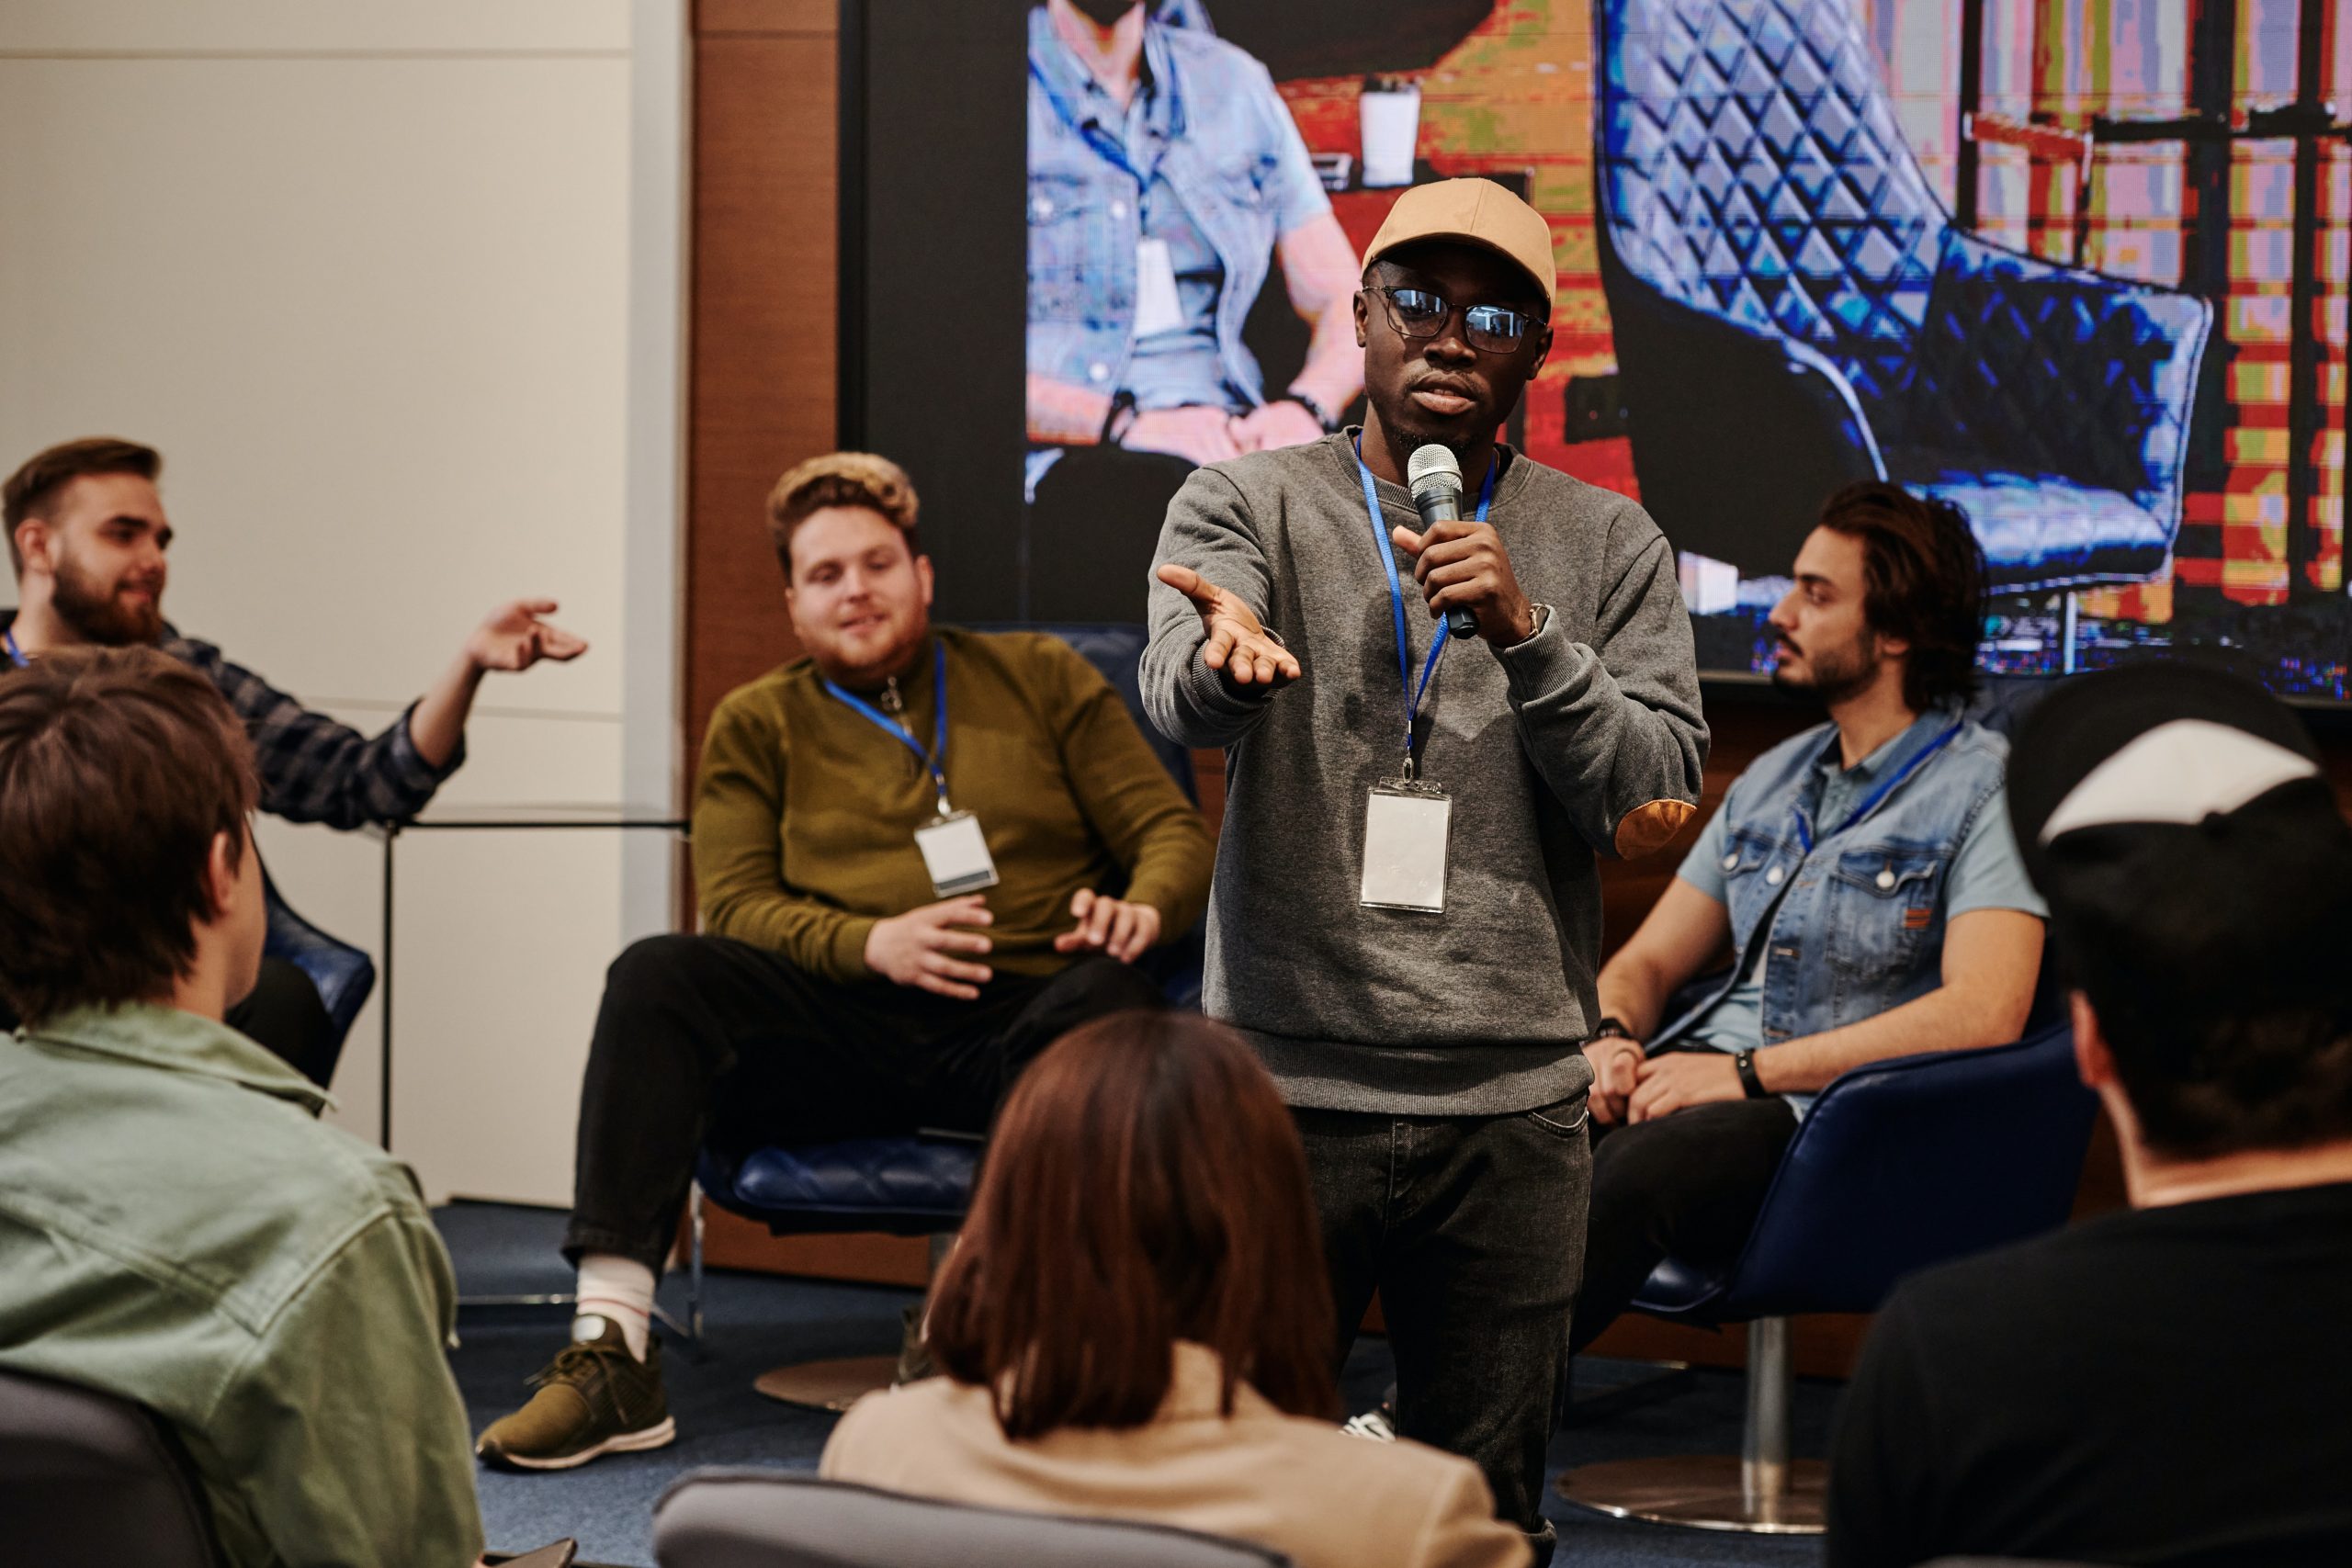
(1248, 653)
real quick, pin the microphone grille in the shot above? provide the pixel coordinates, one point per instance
(1433, 468)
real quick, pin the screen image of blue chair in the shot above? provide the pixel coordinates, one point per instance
(1795, 309)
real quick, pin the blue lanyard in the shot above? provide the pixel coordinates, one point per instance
(936, 758)
(1091, 132)
(1871, 804)
(1413, 695)
(15, 655)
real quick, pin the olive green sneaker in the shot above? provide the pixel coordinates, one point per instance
(594, 1398)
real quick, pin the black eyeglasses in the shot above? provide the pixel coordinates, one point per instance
(1490, 329)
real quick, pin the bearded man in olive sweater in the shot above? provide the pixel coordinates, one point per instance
(922, 856)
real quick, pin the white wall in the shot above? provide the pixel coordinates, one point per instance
(363, 273)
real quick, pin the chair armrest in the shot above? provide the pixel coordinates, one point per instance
(2058, 369)
(1905, 1163)
(1739, 431)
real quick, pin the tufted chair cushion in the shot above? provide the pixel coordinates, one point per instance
(905, 1186)
(1752, 167)
(1755, 182)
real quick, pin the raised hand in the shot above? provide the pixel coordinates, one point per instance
(1248, 653)
(513, 638)
(1462, 564)
(916, 949)
(1114, 926)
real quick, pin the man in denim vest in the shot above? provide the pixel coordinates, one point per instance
(1166, 179)
(1861, 876)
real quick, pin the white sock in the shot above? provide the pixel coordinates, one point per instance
(617, 1290)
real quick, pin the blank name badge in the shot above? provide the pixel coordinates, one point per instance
(1404, 831)
(955, 854)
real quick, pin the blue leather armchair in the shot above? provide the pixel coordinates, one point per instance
(915, 1185)
(1900, 1165)
(343, 974)
(1794, 310)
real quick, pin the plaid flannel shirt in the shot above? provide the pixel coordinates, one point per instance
(313, 769)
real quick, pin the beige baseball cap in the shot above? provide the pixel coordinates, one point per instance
(1475, 212)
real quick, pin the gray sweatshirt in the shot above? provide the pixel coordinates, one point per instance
(1586, 739)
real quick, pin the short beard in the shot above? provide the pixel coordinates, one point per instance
(94, 614)
(1834, 681)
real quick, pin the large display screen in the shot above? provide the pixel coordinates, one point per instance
(2079, 268)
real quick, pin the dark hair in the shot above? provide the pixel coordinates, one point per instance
(2227, 1008)
(840, 478)
(118, 766)
(1144, 1185)
(44, 476)
(1923, 582)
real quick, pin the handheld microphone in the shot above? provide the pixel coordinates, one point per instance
(1434, 476)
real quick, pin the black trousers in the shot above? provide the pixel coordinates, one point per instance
(1093, 529)
(1471, 1230)
(701, 1037)
(1686, 1185)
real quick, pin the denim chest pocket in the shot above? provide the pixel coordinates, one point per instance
(1072, 267)
(1884, 899)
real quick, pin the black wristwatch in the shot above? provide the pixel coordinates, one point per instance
(1322, 415)
(1745, 1062)
(1612, 1028)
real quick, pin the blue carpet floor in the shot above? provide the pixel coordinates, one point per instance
(758, 1321)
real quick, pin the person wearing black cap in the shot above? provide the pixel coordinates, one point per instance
(2171, 1384)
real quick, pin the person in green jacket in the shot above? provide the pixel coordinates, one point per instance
(923, 854)
(176, 1228)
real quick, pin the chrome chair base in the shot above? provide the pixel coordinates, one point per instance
(1700, 1491)
(833, 1385)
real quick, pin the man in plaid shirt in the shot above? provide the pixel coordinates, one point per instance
(87, 536)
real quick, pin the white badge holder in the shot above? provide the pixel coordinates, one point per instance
(955, 854)
(1406, 829)
(1158, 310)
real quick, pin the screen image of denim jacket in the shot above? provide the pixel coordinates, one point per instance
(1856, 924)
(1218, 136)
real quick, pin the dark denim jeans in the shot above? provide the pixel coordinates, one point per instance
(701, 1037)
(1686, 1186)
(1471, 1230)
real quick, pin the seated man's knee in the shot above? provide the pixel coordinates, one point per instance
(652, 963)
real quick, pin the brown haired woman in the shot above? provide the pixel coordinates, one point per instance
(1136, 1324)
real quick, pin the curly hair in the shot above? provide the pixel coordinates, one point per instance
(840, 478)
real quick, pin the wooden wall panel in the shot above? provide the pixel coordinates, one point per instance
(762, 398)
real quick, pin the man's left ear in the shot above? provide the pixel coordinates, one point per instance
(220, 873)
(1543, 350)
(923, 576)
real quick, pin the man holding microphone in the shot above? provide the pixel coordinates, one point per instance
(1406, 915)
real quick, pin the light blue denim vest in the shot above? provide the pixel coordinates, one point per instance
(1220, 155)
(1857, 924)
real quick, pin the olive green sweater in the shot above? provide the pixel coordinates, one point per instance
(806, 811)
